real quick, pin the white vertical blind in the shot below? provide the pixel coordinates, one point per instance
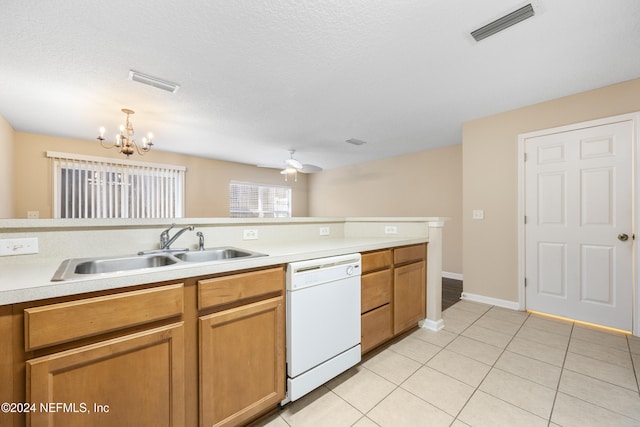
(249, 200)
(96, 187)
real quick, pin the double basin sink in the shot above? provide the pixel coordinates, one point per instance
(82, 267)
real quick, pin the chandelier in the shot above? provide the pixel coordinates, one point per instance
(124, 140)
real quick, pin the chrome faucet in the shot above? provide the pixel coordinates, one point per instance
(166, 242)
(200, 240)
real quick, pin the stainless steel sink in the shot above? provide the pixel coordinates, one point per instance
(216, 254)
(109, 265)
(83, 267)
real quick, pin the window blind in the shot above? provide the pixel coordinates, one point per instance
(249, 200)
(96, 187)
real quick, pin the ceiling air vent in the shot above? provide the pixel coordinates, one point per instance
(153, 81)
(503, 23)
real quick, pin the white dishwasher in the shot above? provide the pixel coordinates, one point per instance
(323, 321)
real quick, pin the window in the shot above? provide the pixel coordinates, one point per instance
(95, 187)
(247, 200)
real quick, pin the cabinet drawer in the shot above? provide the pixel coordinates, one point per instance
(68, 321)
(376, 290)
(376, 260)
(376, 327)
(237, 287)
(409, 253)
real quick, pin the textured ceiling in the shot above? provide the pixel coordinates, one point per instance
(260, 77)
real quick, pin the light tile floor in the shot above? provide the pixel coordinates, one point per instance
(489, 367)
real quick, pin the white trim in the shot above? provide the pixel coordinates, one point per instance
(454, 276)
(512, 305)
(433, 325)
(520, 222)
(635, 119)
(635, 187)
(82, 157)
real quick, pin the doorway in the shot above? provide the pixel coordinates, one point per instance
(577, 236)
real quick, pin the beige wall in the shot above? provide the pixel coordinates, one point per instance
(207, 181)
(427, 183)
(489, 155)
(6, 168)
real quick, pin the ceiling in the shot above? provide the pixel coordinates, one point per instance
(259, 77)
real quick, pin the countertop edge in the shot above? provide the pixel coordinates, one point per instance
(283, 254)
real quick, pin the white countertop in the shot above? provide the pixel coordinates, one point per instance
(30, 282)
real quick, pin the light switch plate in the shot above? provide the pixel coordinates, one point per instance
(478, 214)
(28, 245)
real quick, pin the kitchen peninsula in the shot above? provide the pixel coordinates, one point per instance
(167, 320)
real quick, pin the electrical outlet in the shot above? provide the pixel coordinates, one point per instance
(250, 234)
(33, 214)
(478, 214)
(390, 229)
(324, 231)
(24, 246)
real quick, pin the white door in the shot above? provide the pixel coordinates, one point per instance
(578, 207)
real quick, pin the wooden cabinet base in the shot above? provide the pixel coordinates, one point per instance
(242, 371)
(393, 293)
(135, 380)
(409, 296)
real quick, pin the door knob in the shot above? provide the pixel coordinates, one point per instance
(623, 237)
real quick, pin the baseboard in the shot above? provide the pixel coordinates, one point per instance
(454, 276)
(434, 325)
(513, 305)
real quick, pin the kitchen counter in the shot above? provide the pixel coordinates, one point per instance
(20, 283)
(26, 278)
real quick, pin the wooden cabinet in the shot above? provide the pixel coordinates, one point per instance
(408, 296)
(134, 378)
(377, 319)
(409, 290)
(208, 351)
(393, 293)
(242, 349)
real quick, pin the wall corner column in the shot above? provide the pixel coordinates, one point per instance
(434, 320)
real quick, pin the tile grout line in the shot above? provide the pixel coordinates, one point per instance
(588, 376)
(397, 386)
(633, 365)
(563, 369)
(564, 360)
(494, 367)
(490, 369)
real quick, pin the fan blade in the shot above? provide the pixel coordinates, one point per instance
(310, 169)
(294, 164)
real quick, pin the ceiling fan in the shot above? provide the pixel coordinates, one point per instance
(293, 166)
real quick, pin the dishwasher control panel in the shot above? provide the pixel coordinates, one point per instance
(314, 272)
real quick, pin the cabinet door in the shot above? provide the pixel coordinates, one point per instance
(134, 380)
(242, 362)
(409, 296)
